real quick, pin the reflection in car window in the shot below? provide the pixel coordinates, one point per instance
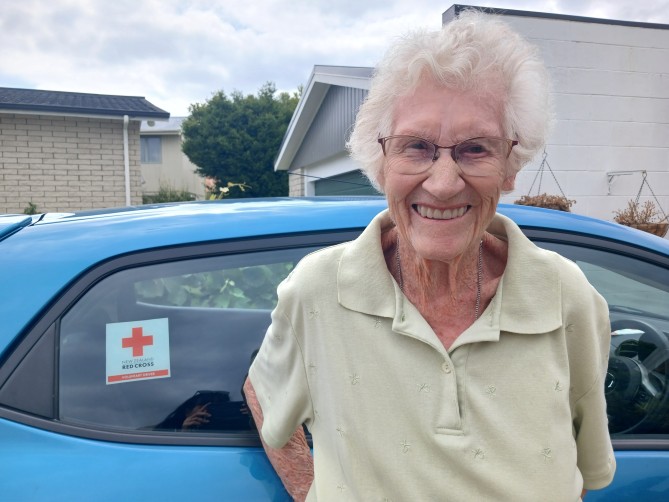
(249, 287)
(631, 289)
(637, 383)
(167, 346)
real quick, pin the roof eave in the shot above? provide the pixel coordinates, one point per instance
(143, 132)
(320, 80)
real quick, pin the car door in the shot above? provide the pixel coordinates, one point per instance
(76, 425)
(130, 386)
(635, 284)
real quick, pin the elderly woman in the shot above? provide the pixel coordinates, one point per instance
(441, 355)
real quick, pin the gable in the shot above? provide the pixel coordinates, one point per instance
(331, 126)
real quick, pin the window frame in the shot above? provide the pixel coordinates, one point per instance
(145, 150)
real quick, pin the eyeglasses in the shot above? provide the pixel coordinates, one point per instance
(475, 156)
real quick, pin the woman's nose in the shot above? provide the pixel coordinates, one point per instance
(443, 150)
(444, 177)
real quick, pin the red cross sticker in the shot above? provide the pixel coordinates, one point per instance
(138, 341)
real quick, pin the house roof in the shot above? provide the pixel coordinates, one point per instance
(455, 10)
(76, 103)
(321, 79)
(171, 126)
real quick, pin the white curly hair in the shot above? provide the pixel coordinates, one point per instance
(475, 52)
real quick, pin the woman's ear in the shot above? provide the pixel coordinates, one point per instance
(509, 183)
(381, 179)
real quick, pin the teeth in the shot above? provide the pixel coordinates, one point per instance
(436, 214)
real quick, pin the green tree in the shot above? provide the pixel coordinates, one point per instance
(236, 138)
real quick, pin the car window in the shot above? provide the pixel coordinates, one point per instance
(637, 292)
(166, 347)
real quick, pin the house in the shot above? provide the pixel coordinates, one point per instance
(163, 163)
(66, 151)
(611, 93)
(313, 149)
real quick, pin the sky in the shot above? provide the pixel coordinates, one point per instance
(178, 53)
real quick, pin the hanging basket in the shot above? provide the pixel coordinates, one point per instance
(644, 216)
(557, 202)
(659, 229)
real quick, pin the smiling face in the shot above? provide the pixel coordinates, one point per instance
(441, 212)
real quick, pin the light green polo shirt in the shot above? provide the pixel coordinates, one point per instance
(514, 410)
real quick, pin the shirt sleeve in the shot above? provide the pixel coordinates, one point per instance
(279, 378)
(596, 460)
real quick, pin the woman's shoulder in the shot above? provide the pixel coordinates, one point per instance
(315, 269)
(578, 293)
(539, 265)
(323, 259)
(570, 273)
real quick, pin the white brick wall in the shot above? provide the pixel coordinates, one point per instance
(65, 163)
(296, 183)
(611, 90)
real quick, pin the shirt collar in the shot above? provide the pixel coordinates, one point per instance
(528, 298)
(529, 292)
(363, 280)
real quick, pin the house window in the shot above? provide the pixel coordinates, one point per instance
(151, 149)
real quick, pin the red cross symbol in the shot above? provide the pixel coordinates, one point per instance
(137, 342)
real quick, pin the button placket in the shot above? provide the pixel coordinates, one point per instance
(448, 418)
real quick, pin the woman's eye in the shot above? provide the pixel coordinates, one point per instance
(417, 145)
(472, 150)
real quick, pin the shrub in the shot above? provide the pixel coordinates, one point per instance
(167, 193)
(30, 208)
(224, 192)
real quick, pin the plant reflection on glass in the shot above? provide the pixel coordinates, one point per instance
(245, 287)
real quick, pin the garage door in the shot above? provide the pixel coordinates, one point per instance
(352, 183)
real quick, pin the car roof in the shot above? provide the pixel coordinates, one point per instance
(11, 223)
(42, 255)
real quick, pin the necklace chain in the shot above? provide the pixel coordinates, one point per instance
(399, 265)
(479, 279)
(479, 275)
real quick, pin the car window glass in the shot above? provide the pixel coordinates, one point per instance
(167, 346)
(246, 287)
(637, 384)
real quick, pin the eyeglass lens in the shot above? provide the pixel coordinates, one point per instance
(475, 156)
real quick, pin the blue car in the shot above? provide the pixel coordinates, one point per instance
(126, 336)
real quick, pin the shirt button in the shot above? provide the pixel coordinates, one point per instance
(446, 368)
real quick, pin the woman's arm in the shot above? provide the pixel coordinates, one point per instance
(293, 462)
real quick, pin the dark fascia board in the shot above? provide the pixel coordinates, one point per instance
(30, 101)
(322, 77)
(456, 9)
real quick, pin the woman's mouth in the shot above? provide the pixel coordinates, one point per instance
(440, 214)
